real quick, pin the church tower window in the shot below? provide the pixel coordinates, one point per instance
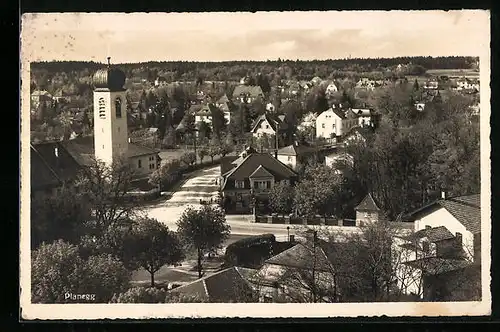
(118, 107)
(102, 108)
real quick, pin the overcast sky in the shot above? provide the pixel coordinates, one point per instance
(253, 36)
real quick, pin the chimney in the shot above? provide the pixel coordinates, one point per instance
(443, 195)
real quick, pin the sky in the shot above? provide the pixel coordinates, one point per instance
(142, 37)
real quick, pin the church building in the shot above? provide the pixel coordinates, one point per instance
(110, 140)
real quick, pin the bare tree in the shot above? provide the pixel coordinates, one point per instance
(105, 188)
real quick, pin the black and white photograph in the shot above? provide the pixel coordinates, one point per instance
(267, 164)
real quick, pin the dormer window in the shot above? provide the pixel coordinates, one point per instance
(118, 107)
(102, 108)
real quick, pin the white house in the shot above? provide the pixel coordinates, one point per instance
(334, 122)
(295, 154)
(366, 83)
(205, 114)
(446, 238)
(366, 116)
(331, 89)
(268, 124)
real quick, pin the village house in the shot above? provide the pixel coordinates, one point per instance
(38, 97)
(467, 85)
(160, 81)
(251, 176)
(334, 123)
(446, 248)
(359, 135)
(367, 117)
(205, 114)
(296, 154)
(366, 83)
(230, 285)
(269, 124)
(51, 167)
(247, 93)
(285, 276)
(331, 89)
(431, 84)
(367, 211)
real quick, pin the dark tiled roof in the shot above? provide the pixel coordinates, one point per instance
(273, 121)
(226, 164)
(466, 209)
(467, 214)
(42, 176)
(368, 204)
(251, 90)
(302, 256)
(436, 265)
(337, 111)
(260, 172)
(82, 149)
(434, 234)
(60, 161)
(229, 285)
(254, 160)
(295, 150)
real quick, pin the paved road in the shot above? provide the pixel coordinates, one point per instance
(201, 185)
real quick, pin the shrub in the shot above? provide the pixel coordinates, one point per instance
(250, 251)
(141, 295)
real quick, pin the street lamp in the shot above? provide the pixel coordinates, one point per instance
(288, 232)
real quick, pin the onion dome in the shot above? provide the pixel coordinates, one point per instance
(109, 78)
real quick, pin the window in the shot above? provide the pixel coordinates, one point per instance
(322, 125)
(102, 130)
(290, 158)
(239, 184)
(151, 166)
(102, 108)
(267, 126)
(118, 107)
(139, 163)
(118, 129)
(103, 146)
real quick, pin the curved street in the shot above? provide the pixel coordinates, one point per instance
(201, 185)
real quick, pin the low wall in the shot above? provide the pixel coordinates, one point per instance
(300, 221)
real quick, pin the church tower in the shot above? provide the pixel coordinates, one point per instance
(110, 114)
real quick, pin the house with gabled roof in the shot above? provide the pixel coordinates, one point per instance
(249, 178)
(247, 93)
(286, 276)
(334, 122)
(447, 247)
(51, 167)
(268, 124)
(227, 286)
(367, 211)
(295, 154)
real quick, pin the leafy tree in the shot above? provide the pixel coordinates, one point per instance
(141, 295)
(317, 191)
(281, 198)
(154, 246)
(214, 148)
(203, 230)
(59, 216)
(202, 153)
(105, 275)
(218, 121)
(57, 270)
(188, 158)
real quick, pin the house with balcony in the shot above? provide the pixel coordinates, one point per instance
(245, 182)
